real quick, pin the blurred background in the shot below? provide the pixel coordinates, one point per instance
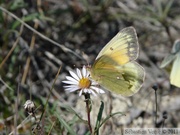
(30, 61)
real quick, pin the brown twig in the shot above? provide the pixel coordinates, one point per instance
(39, 4)
(28, 59)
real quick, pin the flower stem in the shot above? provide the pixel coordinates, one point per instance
(88, 109)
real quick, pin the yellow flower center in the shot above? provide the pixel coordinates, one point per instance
(84, 83)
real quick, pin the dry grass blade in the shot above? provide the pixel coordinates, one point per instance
(65, 49)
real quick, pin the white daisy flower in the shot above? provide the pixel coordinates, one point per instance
(80, 81)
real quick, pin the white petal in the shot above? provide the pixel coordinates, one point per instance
(89, 91)
(93, 93)
(71, 86)
(85, 91)
(87, 73)
(101, 91)
(94, 83)
(71, 89)
(71, 79)
(69, 82)
(68, 86)
(97, 89)
(84, 71)
(80, 93)
(74, 75)
(79, 73)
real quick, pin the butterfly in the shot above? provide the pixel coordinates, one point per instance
(115, 68)
(174, 57)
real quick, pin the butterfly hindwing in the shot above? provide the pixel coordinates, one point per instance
(125, 80)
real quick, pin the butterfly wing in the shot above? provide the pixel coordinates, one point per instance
(167, 60)
(123, 47)
(115, 68)
(172, 56)
(125, 80)
(176, 47)
(175, 72)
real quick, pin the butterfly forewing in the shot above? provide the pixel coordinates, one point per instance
(124, 45)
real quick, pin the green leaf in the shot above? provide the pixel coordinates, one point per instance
(167, 8)
(27, 18)
(65, 125)
(16, 4)
(109, 116)
(160, 10)
(99, 117)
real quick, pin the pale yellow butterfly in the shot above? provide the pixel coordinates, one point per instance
(174, 57)
(115, 68)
